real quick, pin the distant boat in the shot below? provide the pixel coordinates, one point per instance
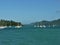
(35, 26)
(44, 26)
(18, 26)
(54, 25)
(9, 26)
(41, 26)
(3, 27)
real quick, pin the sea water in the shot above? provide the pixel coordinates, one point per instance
(30, 36)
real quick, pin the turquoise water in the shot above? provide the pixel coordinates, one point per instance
(30, 36)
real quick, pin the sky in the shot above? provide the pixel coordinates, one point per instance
(28, 11)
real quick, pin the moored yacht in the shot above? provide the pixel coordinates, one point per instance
(10, 26)
(41, 26)
(53, 25)
(35, 26)
(18, 26)
(44, 26)
(2, 27)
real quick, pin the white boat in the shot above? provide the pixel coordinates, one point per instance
(38, 26)
(18, 26)
(34, 25)
(44, 26)
(54, 25)
(10, 26)
(2, 27)
(41, 26)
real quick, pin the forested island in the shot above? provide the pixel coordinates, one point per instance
(9, 23)
(54, 23)
(38, 24)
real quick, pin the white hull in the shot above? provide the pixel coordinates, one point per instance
(44, 26)
(41, 26)
(18, 26)
(2, 27)
(10, 26)
(35, 26)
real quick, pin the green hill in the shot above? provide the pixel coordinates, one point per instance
(47, 23)
(9, 23)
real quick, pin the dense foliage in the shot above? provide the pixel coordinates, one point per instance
(9, 23)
